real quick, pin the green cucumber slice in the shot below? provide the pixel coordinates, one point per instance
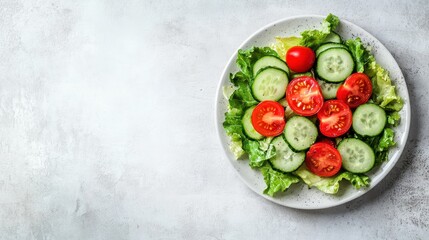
(269, 61)
(334, 65)
(286, 160)
(248, 128)
(300, 133)
(369, 120)
(357, 156)
(270, 84)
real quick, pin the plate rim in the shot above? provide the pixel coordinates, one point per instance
(358, 194)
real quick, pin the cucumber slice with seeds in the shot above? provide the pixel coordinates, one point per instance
(357, 156)
(248, 128)
(334, 65)
(329, 90)
(300, 133)
(369, 120)
(286, 160)
(269, 61)
(270, 84)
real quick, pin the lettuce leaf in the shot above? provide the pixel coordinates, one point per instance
(383, 92)
(313, 38)
(242, 97)
(257, 155)
(393, 119)
(282, 45)
(359, 53)
(276, 181)
(331, 185)
(236, 146)
(246, 59)
(386, 140)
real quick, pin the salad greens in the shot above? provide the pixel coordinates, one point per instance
(259, 152)
(332, 184)
(313, 38)
(276, 181)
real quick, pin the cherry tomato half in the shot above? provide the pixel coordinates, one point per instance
(335, 118)
(300, 59)
(268, 118)
(323, 160)
(356, 90)
(304, 96)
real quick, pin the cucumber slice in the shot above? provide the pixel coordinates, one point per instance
(295, 75)
(333, 37)
(329, 90)
(369, 120)
(329, 45)
(248, 128)
(270, 84)
(300, 133)
(269, 61)
(358, 157)
(286, 160)
(334, 65)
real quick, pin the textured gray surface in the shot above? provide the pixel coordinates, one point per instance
(106, 112)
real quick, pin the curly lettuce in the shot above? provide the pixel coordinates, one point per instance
(358, 52)
(314, 38)
(384, 93)
(331, 185)
(276, 181)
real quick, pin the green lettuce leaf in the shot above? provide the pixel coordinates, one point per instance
(234, 129)
(313, 38)
(242, 97)
(383, 92)
(232, 123)
(282, 45)
(236, 146)
(246, 59)
(257, 155)
(276, 181)
(331, 185)
(393, 119)
(359, 53)
(386, 140)
(264, 144)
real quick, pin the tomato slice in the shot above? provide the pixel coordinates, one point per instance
(356, 90)
(268, 118)
(304, 96)
(323, 160)
(335, 118)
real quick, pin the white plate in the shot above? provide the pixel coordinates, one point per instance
(298, 195)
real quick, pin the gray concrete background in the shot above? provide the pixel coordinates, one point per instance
(107, 113)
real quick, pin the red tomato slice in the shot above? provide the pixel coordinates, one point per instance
(356, 90)
(304, 96)
(268, 118)
(335, 118)
(300, 59)
(323, 160)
